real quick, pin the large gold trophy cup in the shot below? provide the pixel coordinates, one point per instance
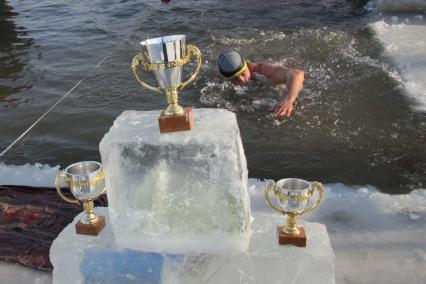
(293, 198)
(165, 57)
(87, 182)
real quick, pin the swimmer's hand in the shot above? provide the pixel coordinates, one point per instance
(283, 108)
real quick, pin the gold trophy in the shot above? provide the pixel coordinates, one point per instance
(293, 196)
(165, 57)
(87, 182)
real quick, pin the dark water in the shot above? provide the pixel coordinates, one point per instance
(353, 122)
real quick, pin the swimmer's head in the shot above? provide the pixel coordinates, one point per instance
(233, 67)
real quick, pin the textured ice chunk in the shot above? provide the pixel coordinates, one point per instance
(84, 259)
(401, 6)
(177, 192)
(31, 175)
(406, 45)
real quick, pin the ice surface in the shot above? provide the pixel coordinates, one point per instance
(12, 273)
(374, 235)
(177, 192)
(405, 6)
(31, 175)
(83, 259)
(404, 40)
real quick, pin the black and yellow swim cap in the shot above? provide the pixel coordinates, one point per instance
(231, 64)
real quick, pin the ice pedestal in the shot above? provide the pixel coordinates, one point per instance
(177, 192)
(87, 259)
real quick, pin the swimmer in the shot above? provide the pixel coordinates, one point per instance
(233, 67)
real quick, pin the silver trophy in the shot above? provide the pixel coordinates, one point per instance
(86, 182)
(294, 197)
(165, 57)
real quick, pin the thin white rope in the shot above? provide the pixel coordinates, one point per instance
(44, 114)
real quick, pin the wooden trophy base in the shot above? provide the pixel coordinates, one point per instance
(294, 240)
(90, 229)
(173, 123)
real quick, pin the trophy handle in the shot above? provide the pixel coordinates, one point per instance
(135, 63)
(60, 177)
(194, 50)
(266, 190)
(104, 190)
(315, 186)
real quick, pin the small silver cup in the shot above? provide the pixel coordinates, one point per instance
(87, 182)
(293, 195)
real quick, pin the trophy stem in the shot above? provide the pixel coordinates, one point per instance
(291, 228)
(174, 108)
(89, 216)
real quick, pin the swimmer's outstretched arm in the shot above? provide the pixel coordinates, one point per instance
(293, 78)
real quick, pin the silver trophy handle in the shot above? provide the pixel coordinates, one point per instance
(191, 49)
(271, 185)
(140, 59)
(316, 186)
(61, 177)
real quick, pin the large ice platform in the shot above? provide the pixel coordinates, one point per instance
(177, 192)
(87, 259)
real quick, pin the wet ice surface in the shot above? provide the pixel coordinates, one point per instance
(404, 40)
(82, 259)
(376, 237)
(180, 191)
